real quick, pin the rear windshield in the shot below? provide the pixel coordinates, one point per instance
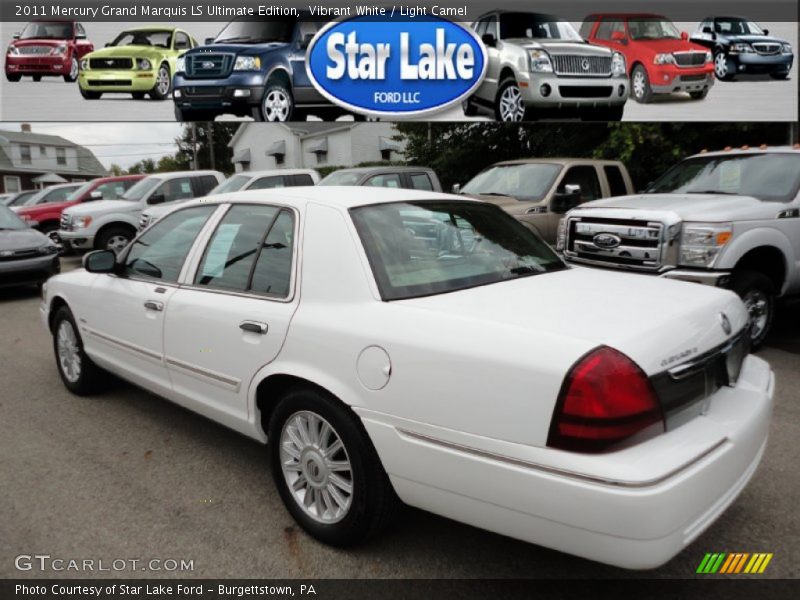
(433, 247)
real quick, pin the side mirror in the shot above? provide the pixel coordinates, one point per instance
(766, 32)
(456, 189)
(619, 36)
(16, 35)
(489, 40)
(96, 195)
(209, 41)
(684, 36)
(305, 42)
(157, 199)
(100, 261)
(108, 45)
(566, 200)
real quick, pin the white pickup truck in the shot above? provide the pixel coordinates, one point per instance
(729, 219)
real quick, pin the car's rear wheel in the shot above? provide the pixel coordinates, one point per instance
(724, 68)
(509, 104)
(163, 84)
(758, 294)
(114, 239)
(13, 77)
(326, 469)
(79, 374)
(277, 104)
(74, 69)
(89, 95)
(640, 85)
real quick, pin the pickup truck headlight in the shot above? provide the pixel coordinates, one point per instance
(84, 64)
(59, 50)
(143, 64)
(702, 242)
(741, 49)
(540, 62)
(82, 222)
(247, 63)
(664, 59)
(180, 64)
(12, 50)
(786, 49)
(618, 66)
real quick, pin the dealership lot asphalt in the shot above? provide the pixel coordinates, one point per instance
(126, 475)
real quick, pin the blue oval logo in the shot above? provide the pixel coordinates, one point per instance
(402, 67)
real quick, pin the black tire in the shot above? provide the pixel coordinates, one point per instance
(758, 293)
(74, 69)
(643, 94)
(111, 236)
(469, 108)
(91, 377)
(89, 95)
(780, 76)
(277, 104)
(701, 95)
(518, 111)
(36, 78)
(159, 91)
(138, 95)
(373, 502)
(13, 78)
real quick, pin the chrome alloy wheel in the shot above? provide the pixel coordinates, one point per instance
(73, 69)
(163, 81)
(721, 65)
(757, 305)
(276, 106)
(69, 357)
(316, 467)
(639, 84)
(117, 243)
(512, 106)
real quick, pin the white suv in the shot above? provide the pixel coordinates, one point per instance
(111, 224)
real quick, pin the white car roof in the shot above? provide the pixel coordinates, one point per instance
(254, 174)
(748, 150)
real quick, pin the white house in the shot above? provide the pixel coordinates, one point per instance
(258, 146)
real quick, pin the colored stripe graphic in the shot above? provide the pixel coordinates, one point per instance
(734, 563)
(711, 563)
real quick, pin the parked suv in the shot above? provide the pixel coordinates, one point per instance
(741, 46)
(51, 194)
(47, 48)
(111, 224)
(538, 62)
(539, 191)
(252, 68)
(660, 59)
(249, 180)
(46, 216)
(729, 219)
(412, 178)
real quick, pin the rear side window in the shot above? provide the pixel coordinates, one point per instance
(421, 181)
(303, 179)
(273, 271)
(204, 184)
(616, 182)
(265, 183)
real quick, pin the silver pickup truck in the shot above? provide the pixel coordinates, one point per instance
(540, 62)
(729, 219)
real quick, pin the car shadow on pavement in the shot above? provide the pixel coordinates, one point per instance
(18, 293)
(785, 334)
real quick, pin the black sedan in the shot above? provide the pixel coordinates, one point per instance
(741, 46)
(27, 256)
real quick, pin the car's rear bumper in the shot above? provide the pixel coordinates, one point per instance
(29, 271)
(37, 65)
(123, 80)
(634, 508)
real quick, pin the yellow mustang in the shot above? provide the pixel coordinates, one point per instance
(137, 62)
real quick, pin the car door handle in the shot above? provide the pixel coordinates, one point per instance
(254, 327)
(154, 305)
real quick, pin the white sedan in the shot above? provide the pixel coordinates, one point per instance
(395, 344)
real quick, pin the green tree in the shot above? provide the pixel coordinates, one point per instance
(222, 134)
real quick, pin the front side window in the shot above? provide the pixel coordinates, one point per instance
(342, 178)
(182, 41)
(160, 252)
(536, 27)
(58, 195)
(232, 184)
(584, 176)
(527, 182)
(434, 247)
(141, 188)
(171, 190)
(266, 183)
(420, 181)
(389, 180)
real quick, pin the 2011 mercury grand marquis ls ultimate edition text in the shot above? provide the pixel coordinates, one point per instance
(403, 344)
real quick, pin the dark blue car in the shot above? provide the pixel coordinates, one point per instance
(741, 46)
(252, 68)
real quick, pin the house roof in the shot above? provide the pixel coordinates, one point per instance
(87, 162)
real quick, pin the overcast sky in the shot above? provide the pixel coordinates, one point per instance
(114, 143)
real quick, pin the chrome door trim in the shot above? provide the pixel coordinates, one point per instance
(124, 345)
(205, 374)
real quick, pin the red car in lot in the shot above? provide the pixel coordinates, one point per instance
(46, 48)
(46, 216)
(660, 59)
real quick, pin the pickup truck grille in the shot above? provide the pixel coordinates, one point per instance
(582, 66)
(767, 48)
(211, 65)
(65, 223)
(689, 59)
(623, 243)
(34, 50)
(110, 63)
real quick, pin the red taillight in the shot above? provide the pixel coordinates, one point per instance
(606, 398)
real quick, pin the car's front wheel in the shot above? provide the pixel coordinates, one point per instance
(13, 77)
(509, 104)
(163, 84)
(758, 294)
(640, 85)
(79, 374)
(276, 105)
(74, 68)
(724, 68)
(326, 469)
(114, 239)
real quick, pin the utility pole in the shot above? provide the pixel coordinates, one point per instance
(195, 161)
(211, 145)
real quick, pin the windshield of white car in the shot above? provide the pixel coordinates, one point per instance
(47, 30)
(141, 188)
(653, 29)
(536, 27)
(256, 32)
(232, 184)
(736, 27)
(432, 247)
(342, 178)
(527, 182)
(9, 220)
(156, 37)
(770, 176)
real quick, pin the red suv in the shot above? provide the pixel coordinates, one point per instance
(660, 59)
(47, 48)
(46, 216)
